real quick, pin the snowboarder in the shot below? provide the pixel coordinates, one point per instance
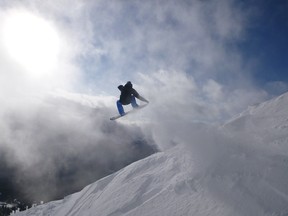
(128, 95)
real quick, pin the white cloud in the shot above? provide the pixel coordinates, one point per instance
(277, 87)
(112, 42)
(66, 136)
(182, 52)
(213, 90)
(177, 94)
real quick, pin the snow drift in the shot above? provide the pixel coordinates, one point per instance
(239, 168)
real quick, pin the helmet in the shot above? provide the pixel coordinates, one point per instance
(129, 84)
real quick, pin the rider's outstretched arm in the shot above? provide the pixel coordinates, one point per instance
(137, 95)
(142, 99)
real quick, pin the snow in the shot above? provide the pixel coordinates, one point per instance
(239, 168)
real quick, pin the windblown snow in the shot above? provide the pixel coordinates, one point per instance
(239, 168)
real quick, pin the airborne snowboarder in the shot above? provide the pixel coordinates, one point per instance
(128, 95)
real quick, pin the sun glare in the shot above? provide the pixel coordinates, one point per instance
(32, 42)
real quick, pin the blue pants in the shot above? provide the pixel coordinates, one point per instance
(120, 106)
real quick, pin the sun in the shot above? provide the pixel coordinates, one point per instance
(32, 42)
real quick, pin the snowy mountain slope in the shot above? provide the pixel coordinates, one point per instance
(266, 123)
(238, 169)
(158, 185)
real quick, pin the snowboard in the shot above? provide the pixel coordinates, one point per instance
(129, 112)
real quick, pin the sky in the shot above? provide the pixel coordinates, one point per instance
(239, 46)
(194, 60)
(266, 41)
(235, 49)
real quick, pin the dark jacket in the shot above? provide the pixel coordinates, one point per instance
(127, 92)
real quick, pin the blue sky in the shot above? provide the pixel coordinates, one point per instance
(225, 54)
(267, 41)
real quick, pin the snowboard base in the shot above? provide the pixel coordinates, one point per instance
(129, 112)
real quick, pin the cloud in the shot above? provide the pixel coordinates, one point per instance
(175, 93)
(195, 37)
(213, 90)
(276, 87)
(60, 141)
(182, 36)
(112, 43)
(16, 82)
